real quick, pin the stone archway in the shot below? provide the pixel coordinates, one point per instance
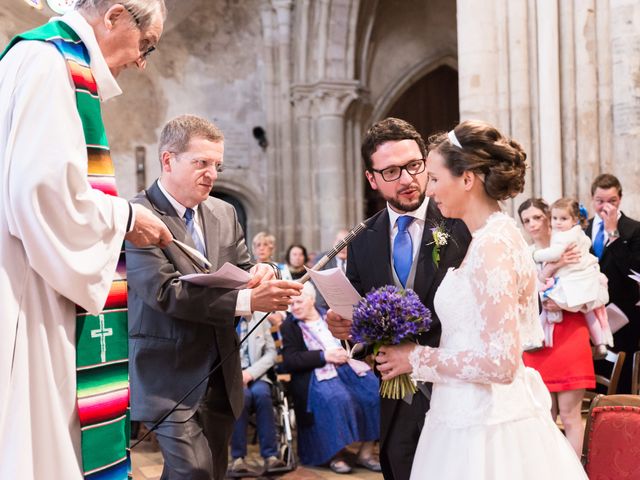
(236, 203)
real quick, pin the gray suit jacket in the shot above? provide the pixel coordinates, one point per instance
(178, 330)
(262, 348)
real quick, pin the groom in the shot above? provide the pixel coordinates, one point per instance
(396, 249)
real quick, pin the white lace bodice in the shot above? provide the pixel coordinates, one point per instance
(488, 310)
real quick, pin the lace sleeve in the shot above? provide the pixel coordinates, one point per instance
(493, 271)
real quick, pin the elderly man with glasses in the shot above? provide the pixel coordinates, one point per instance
(397, 249)
(63, 334)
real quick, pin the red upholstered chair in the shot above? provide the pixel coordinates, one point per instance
(612, 438)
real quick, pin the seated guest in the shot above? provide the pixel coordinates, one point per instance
(263, 244)
(336, 399)
(296, 258)
(257, 356)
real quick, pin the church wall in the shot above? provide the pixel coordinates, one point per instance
(315, 74)
(562, 78)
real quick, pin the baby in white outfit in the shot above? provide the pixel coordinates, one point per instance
(577, 287)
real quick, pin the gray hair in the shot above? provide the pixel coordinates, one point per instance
(309, 291)
(178, 132)
(144, 11)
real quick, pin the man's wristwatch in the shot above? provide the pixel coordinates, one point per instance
(614, 234)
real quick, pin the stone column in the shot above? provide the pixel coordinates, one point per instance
(330, 102)
(307, 229)
(549, 100)
(625, 57)
(272, 199)
(568, 98)
(586, 88)
(478, 63)
(520, 87)
(288, 169)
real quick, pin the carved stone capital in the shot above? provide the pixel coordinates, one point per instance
(326, 98)
(302, 101)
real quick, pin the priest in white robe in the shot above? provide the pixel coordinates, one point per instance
(59, 239)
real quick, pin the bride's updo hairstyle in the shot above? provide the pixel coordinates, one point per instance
(482, 149)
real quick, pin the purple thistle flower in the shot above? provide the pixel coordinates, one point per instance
(388, 315)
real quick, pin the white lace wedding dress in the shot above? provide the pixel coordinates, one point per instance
(490, 415)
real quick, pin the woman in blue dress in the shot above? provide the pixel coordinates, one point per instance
(335, 398)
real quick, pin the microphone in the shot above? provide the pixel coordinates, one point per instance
(353, 233)
(321, 263)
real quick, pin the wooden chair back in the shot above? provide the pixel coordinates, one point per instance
(610, 383)
(635, 375)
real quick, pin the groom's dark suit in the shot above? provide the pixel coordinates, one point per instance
(369, 265)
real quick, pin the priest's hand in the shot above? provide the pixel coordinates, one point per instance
(338, 326)
(274, 295)
(148, 229)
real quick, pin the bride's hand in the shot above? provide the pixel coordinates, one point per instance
(393, 360)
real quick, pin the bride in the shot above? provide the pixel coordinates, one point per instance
(490, 415)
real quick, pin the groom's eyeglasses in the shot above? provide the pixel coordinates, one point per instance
(391, 174)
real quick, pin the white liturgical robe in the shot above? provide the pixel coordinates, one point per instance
(59, 245)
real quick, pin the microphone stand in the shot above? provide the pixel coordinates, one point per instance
(321, 263)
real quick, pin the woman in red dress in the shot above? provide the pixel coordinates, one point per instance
(566, 367)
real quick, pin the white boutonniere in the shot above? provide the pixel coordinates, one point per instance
(440, 239)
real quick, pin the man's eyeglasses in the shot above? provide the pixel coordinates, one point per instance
(145, 47)
(204, 164)
(391, 174)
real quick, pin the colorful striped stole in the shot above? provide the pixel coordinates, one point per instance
(101, 341)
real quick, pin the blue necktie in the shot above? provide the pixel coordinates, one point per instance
(403, 249)
(598, 242)
(191, 228)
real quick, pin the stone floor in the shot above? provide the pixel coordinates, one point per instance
(147, 465)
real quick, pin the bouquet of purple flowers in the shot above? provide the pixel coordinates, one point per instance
(387, 316)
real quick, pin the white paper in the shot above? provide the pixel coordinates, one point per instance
(336, 290)
(617, 318)
(227, 276)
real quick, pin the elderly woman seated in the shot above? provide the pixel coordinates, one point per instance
(335, 398)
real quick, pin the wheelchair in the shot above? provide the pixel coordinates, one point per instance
(285, 419)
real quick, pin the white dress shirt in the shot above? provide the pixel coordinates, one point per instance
(416, 228)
